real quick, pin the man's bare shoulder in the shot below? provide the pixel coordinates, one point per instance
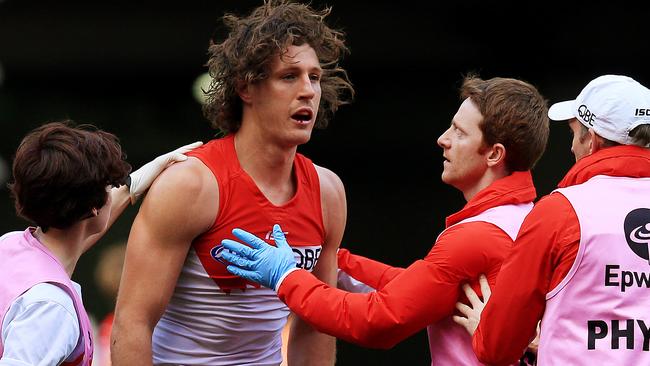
(185, 188)
(188, 176)
(330, 183)
(334, 206)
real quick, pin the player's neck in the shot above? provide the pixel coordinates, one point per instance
(269, 165)
(490, 176)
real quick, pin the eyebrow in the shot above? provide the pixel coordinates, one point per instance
(453, 123)
(293, 67)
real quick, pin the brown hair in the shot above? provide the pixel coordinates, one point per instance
(60, 173)
(245, 57)
(641, 135)
(514, 114)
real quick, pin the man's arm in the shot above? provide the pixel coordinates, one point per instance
(422, 294)
(306, 345)
(368, 271)
(180, 205)
(542, 256)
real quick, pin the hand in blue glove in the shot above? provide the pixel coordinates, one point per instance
(261, 262)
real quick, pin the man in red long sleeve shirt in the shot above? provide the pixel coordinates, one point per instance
(584, 248)
(495, 138)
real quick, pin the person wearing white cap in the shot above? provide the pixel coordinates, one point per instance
(584, 247)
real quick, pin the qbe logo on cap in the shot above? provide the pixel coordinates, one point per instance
(586, 115)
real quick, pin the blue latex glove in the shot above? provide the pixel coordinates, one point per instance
(261, 262)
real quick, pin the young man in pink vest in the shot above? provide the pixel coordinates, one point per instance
(584, 247)
(495, 138)
(69, 182)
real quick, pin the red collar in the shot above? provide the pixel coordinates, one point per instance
(513, 189)
(617, 161)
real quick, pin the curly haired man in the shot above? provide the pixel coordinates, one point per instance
(275, 78)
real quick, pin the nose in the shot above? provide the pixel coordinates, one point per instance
(307, 88)
(443, 140)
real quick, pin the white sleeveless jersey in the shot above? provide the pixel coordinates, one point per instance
(203, 325)
(214, 317)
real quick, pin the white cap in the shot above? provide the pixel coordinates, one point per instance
(612, 105)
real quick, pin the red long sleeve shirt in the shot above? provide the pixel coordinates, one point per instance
(368, 271)
(408, 300)
(543, 254)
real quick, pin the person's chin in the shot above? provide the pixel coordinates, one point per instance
(445, 178)
(300, 137)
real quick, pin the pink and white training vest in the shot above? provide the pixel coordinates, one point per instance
(449, 343)
(600, 312)
(24, 263)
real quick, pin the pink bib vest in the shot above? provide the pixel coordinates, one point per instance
(449, 343)
(600, 313)
(24, 263)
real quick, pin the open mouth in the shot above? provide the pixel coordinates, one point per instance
(303, 116)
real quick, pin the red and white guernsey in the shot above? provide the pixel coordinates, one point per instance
(214, 317)
(24, 263)
(449, 343)
(599, 313)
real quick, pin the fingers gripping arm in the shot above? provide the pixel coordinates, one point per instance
(472, 314)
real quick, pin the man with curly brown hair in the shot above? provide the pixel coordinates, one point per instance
(275, 77)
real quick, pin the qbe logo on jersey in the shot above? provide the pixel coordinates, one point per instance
(306, 256)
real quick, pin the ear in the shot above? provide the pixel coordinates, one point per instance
(595, 141)
(244, 91)
(496, 155)
(95, 212)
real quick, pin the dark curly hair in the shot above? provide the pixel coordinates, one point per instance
(60, 173)
(245, 57)
(514, 114)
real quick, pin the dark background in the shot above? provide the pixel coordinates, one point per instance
(129, 67)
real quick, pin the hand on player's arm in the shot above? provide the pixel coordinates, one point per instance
(472, 314)
(138, 182)
(141, 179)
